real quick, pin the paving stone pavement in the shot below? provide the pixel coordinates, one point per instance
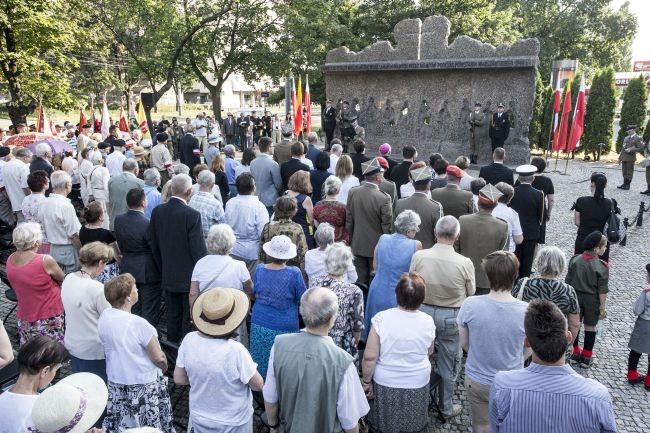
(627, 277)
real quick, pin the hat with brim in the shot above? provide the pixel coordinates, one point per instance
(219, 311)
(280, 247)
(138, 151)
(73, 405)
(526, 170)
(500, 105)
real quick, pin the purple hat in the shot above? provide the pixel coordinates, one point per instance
(384, 149)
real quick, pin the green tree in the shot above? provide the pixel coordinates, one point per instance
(537, 119)
(600, 112)
(646, 132)
(633, 111)
(547, 122)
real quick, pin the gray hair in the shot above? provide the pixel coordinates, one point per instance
(205, 179)
(551, 261)
(526, 179)
(181, 169)
(59, 179)
(229, 150)
(338, 259)
(312, 137)
(221, 239)
(96, 158)
(180, 183)
(318, 306)
(151, 175)
(27, 235)
(407, 220)
(129, 165)
(336, 148)
(23, 152)
(447, 228)
(324, 235)
(43, 149)
(332, 185)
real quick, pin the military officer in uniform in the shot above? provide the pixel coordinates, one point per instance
(329, 122)
(528, 202)
(454, 201)
(346, 118)
(632, 144)
(499, 127)
(482, 234)
(476, 121)
(369, 215)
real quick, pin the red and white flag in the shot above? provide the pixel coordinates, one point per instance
(106, 121)
(293, 97)
(578, 125)
(307, 106)
(564, 121)
(557, 96)
(124, 126)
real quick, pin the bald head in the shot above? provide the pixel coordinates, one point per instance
(318, 306)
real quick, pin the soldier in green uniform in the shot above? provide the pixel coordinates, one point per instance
(476, 122)
(632, 144)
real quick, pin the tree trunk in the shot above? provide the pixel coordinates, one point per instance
(215, 93)
(18, 112)
(147, 114)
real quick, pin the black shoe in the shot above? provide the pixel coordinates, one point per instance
(646, 192)
(585, 362)
(635, 381)
(625, 186)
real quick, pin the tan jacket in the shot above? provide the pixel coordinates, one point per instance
(282, 151)
(429, 211)
(631, 145)
(369, 215)
(454, 200)
(480, 235)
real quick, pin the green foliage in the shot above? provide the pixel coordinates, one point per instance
(633, 111)
(537, 119)
(646, 132)
(600, 112)
(544, 141)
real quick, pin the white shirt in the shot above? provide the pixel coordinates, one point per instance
(405, 338)
(510, 216)
(125, 337)
(351, 402)
(114, 163)
(220, 271)
(247, 215)
(98, 182)
(71, 166)
(219, 371)
(60, 221)
(15, 174)
(200, 127)
(16, 412)
(347, 184)
(315, 266)
(334, 159)
(307, 162)
(84, 170)
(83, 301)
(2, 166)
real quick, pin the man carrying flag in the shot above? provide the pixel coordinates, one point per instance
(307, 106)
(143, 125)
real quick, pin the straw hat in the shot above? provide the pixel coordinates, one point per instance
(73, 405)
(280, 247)
(218, 312)
(138, 151)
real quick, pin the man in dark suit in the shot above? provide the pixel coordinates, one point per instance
(177, 243)
(454, 201)
(528, 202)
(266, 119)
(497, 172)
(257, 124)
(43, 162)
(329, 122)
(243, 124)
(499, 127)
(400, 173)
(293, 165)
(312, 149)
(131, 232)
(189, 150)
(229, 126)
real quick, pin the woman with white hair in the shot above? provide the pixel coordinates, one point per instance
(36, 278)
(347, 328)
(218, 269)
(315, 259)
(331, 210)
(392, 258)
(97, 182)
(85, 167)
(551, 263)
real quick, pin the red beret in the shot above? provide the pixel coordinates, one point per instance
(382, 162)
(455, 171)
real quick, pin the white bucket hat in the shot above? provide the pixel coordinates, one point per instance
(73, 405)
(280, 247)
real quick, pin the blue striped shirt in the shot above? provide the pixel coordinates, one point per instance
(549, 399)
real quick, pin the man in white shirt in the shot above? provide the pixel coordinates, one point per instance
(201, 130)
(15, 174)
(6, 213)
(115, 160)
(335, 153)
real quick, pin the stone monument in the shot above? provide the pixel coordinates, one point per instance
(421, 91)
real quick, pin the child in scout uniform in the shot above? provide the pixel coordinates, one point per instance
(640, 338)
(589, 277)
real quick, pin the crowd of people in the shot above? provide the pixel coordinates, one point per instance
(335, 288)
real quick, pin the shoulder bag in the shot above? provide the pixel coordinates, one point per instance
(520, 295)
(614, 229)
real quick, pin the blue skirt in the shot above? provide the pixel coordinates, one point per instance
(261, 341)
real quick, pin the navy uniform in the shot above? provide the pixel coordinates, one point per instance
(632, 144)
(499, 127)
(528, 202)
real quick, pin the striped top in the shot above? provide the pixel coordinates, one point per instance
(549, 399)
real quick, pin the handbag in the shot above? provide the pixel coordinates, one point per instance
(614, 229)
(520, 295)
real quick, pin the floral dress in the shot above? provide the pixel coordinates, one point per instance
(293, 231)
(333, 212)
(349, 319)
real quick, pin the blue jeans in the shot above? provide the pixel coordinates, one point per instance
(449, 354)
(95, 366)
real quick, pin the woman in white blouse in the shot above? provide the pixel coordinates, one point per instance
(344, 170)
(97, 182)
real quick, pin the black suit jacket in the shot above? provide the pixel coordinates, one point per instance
(529, 204)
(357, 160)
(400, 175)
(42, 164)
(495, 173)
(176, 241)
(132, 234)
(500, 126)
(290, 167)
(189, 145)
(329, 118)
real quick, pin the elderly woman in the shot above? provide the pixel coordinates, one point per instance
(344, 169)
(85, 167)
(285, 208)
(330, 210)
(300, 189)
(94, 231)
(35, 278)
(278, 288)
(346, 331)
(97, 182)
(38, 362)
(166, 193)
(396, 367)
(508, 214)
(84, 301)
(315, 259)
(247, 156)
(392, 258)
(220, 390)
(551, 264)
(38, 183)
(137, 395)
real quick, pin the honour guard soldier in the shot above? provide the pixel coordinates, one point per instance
(499, 127)
(632, 144)
(476, 122)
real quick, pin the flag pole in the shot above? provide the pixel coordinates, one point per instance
(566, 167)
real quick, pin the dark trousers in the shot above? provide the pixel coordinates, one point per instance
(647, 176)
(178, 316)
(230, 138)
(628, 170)
(525, 251)
(329, 133)
(363, 266)
(148, 305)
(497, 142)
